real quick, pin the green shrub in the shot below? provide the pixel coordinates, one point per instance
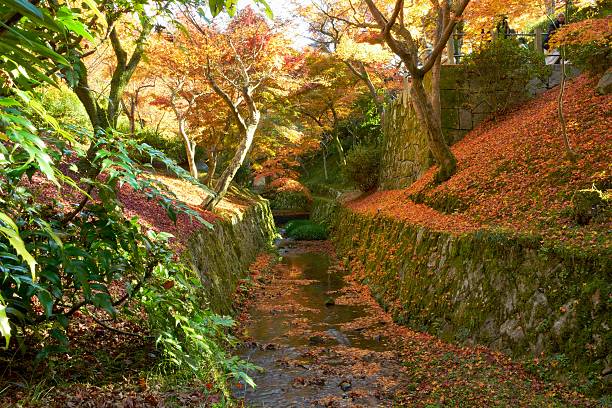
(193, 340)
(305, 230)
(499, 73)
(293, 224)
(363, 166)
(62, 104)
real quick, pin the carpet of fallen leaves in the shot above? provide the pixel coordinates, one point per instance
(514, 173)
(136, 203)
(383, 365)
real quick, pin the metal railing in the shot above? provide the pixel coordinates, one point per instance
(536, 35)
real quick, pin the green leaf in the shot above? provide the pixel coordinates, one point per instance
(67, 18)
(5, 327)
(171, 212)
(63, 321)
(103, 301)
(230, 6)
(25, 7)
(9, 102)
(11, 233)
(224, 321)
(60, 336)
(216, 6)
(46, 300)
(92, 5)
(267, 9)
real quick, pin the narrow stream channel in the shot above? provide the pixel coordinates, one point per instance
(304, 328)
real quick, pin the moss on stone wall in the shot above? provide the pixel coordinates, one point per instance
(221, 256)
(405, 154)
(489, 287)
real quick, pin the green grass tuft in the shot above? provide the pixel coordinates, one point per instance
(306, 230)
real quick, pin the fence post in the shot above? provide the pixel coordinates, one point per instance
(450, 50)
(538, 40)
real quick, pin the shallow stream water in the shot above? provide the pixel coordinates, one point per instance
(300, 338)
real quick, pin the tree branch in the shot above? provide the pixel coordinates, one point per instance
(125, 333)
(226, 98)
(448, 31)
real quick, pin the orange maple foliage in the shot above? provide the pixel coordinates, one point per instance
(595, 30)
(285, 185)
(513, 173)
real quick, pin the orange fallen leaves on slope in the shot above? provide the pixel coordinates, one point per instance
(514, 174)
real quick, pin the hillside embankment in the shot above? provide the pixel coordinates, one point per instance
(513, 251)
(117, 362)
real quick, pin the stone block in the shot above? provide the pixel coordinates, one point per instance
(604, 86)
(450, 118)
(452, 136)
(555, 77)
(450, 76)
(450, 98)
(535, 87)
(482, 106)
(479, 117)
(465, 119)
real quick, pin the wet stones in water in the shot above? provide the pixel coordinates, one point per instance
(316, 340)
(304, 382)
(330, 301)
(339, 337)
(345, 385)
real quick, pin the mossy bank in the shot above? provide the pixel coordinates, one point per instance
(509, 293)
(221, 255)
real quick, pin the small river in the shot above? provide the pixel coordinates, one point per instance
(308, 330)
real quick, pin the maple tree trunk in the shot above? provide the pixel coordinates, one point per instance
(132, 117)
(568, 148)
(190, 148)
(434, 95)
(340, 149)
(325, 164)
(212, 168)
(105, 118)
(425, 113)
(230, 172)
(363, 75)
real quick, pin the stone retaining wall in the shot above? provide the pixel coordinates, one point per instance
(508, 293)
(221, 256)
(464, 104)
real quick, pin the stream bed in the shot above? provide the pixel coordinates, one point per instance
(307, 330)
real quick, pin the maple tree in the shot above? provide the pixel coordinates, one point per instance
(249, 59)
(326, 97)
(280, 147)
(368, 62)
(591, 30)
(126, 26)
(178, 67)
(398, 25)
